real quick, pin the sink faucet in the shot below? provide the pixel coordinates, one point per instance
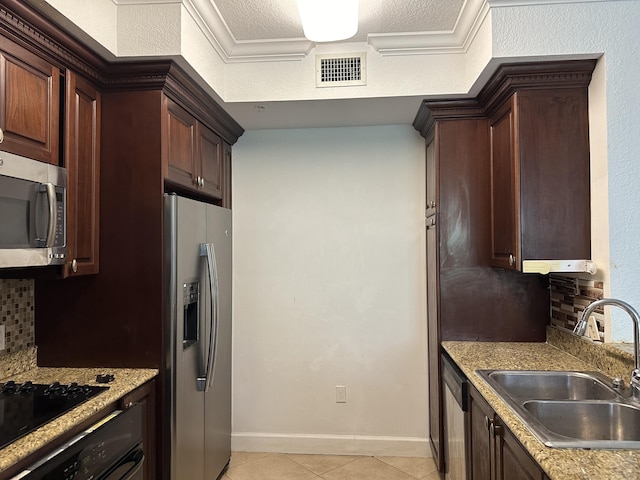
(581, 328)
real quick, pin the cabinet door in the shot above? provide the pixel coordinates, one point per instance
(82, 160)
(433, 340)
(553, 158)
(226, 175)
(180, 138)
(209, 162)
(431, 180)
(145, 396)
(513, 462)
(480, 451)
(29, 104)
(505, 202)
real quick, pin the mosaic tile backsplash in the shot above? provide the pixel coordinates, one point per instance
(569, 298)
(17, 314)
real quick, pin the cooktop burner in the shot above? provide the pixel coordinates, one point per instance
(27, 406)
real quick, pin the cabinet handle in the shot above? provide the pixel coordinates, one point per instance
(1, 136)
(494, 427)
(74, 265)
(202, 181)
(432, 204)
(512, 260)
(432, 223)
(488, 422)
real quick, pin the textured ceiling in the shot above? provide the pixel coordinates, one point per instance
(251, 20)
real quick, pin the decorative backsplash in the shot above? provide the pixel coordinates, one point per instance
(569, 298)
(17, 314)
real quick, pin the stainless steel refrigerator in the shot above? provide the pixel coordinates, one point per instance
(198, 334)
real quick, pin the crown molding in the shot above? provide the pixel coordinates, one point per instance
(524, 3)
(213, 26)
(210, 21)
(456, 40)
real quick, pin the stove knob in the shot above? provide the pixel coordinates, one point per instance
(27, 387)
(73, 389)
(9, 388)
(55, 389)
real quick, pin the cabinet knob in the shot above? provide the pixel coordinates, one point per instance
(74, 265)
(512, 260)
(1, 136)
(432, 204)
(202, 181)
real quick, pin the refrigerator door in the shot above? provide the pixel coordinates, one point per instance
(218, 396)
(186, 232)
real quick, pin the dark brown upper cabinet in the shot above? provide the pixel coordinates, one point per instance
(540, 188)
(193, 153)
(82, 160)
(29, 104)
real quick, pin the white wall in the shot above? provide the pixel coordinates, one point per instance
(612, 28)
(329, 289)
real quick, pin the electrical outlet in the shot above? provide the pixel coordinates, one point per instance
(341, 394)
(2, 344)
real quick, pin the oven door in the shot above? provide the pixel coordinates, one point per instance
(129, 467)
(110, 449)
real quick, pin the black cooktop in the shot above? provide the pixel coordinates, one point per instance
(26, 406)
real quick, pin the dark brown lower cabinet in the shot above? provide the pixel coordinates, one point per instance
(494, 453)
(145, 396)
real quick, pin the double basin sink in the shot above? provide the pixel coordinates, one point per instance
(568, 409)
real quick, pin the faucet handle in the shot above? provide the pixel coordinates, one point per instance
(635, 384)
(581, 327)
(617, 384)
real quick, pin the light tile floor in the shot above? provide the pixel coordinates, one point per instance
(279, 466)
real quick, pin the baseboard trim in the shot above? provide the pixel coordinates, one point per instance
(330, 444)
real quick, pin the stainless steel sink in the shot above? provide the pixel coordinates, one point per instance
(569, 409)
(553, 385)
(601, 424)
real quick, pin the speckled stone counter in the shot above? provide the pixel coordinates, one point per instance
(21, 367)
(558, 463)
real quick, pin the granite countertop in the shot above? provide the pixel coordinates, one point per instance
(21, 368)
(558, 463)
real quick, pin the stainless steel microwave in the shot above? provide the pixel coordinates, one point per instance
(33, 217)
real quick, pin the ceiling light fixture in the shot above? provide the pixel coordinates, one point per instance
(329, 20)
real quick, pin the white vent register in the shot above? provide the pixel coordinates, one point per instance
(341, 70)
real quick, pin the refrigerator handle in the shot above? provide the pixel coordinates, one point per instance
(208, 250)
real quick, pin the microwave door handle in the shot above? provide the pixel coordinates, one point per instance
(41, 221)
(207, 251)
(51, 198)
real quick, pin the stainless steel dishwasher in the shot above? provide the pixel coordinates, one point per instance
(455, 421)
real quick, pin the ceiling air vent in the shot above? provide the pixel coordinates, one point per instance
(341, 70)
